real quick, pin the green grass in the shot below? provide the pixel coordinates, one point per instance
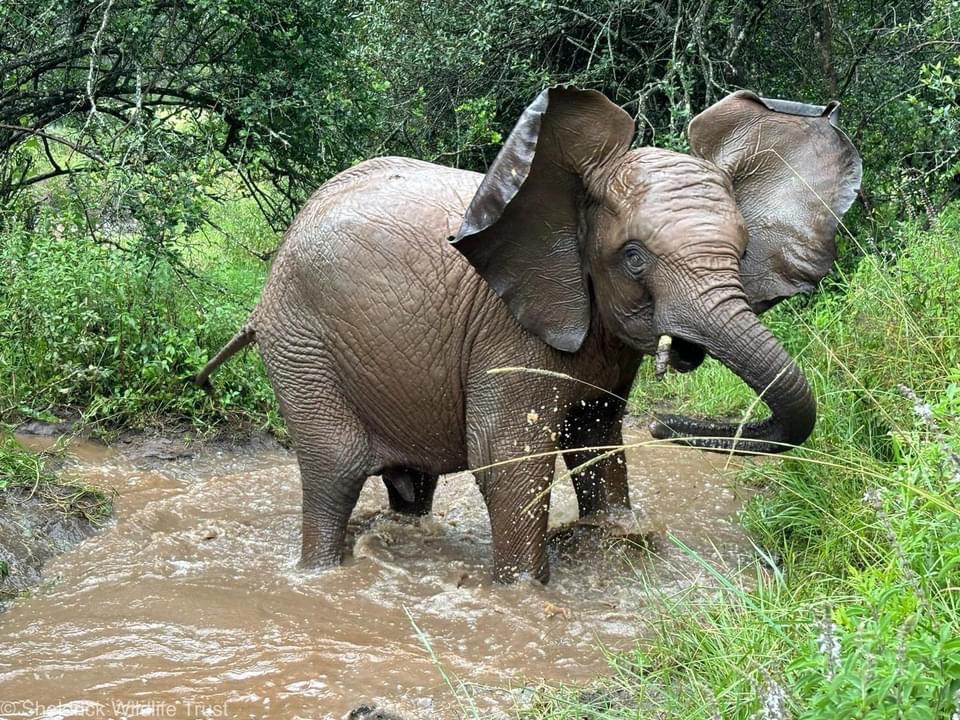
(710, 390)
(22, 475)
(854, 610)
(114, 334)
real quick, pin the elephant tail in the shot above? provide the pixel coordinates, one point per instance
(237, 343)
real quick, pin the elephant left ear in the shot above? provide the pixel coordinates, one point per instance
(795, 174)
(522, 230)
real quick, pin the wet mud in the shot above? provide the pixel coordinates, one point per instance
(32, 531)
(190, 604)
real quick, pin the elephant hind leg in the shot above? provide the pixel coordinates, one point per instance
(410, 491)
(333, 452)
(331, 488)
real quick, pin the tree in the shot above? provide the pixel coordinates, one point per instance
(156, 97)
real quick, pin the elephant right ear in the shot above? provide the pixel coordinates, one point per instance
(522, 228)
(795, 173)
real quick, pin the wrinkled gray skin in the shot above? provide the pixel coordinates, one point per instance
(572, 255)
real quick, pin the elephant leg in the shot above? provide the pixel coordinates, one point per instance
(518, 502)
(599, 476)
(410, 491)
(332, 447)
(331, 486)
(517, 496)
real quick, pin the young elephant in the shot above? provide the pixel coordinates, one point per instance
(390, 348)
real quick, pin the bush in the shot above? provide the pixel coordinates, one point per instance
(115, 332)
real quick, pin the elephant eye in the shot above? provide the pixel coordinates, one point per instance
(635, 258)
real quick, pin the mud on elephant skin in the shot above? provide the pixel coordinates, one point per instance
(572, 256)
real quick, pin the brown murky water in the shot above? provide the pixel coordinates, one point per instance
(190, 604)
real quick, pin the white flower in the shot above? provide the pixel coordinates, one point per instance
(829, 645)
(774, 702)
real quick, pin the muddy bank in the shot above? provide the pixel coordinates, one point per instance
(40, 516)
(193, 595)
(34, 529)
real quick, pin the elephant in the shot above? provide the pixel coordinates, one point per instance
(421, 320)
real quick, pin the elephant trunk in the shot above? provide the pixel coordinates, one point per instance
(733, 334)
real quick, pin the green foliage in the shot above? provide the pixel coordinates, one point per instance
(894, 637)
(23, 470)
(152, 97)
(436, 57)
(117, 334)
(712, 390)
(17, 467)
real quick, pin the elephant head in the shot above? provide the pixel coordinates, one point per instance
(578, 233)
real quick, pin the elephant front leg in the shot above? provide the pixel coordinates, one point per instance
(590, 434)
(518, 502)
(517, 496)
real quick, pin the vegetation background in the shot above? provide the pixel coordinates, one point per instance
(152, 150)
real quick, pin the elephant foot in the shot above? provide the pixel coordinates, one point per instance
(309, 565)
(320, 553)
(512, 574)
(627, 524)
(606, 529)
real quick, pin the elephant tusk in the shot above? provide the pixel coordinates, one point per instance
(662, 357)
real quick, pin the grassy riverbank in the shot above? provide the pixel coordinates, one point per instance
(23, 471)
(40, 516)
(856, 611)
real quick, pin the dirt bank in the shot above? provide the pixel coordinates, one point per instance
(40, 516)
(33, 529)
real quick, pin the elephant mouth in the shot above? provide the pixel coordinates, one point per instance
(685, 355)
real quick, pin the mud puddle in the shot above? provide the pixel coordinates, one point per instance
(190, 603)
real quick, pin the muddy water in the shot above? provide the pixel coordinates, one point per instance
(190, 604)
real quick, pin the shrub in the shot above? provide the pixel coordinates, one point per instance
(115, 332)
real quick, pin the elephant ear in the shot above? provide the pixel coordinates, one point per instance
(522, 229)
(795, 174)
